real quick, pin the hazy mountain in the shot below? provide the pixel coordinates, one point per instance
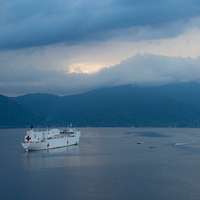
(167, 105)
(12, 114)
(39, 104)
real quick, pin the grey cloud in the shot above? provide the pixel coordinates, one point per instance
(141, 70)
(27, 23)
(152, 69)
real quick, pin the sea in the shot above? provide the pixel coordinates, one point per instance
(109, 163)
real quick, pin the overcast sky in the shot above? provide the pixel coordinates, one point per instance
(69, 46)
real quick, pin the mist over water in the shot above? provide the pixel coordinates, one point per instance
(109, 163)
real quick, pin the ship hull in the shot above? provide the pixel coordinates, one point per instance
(51, 143)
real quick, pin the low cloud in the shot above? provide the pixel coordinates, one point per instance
(152, 69)
(140, 70)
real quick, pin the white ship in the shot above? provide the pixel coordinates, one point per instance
(49, 139)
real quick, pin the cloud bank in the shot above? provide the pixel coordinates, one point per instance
(140, 70)
(27, 23)
(71, 46)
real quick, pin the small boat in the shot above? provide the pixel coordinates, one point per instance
(50, 138)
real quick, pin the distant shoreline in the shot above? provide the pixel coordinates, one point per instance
(141, 127)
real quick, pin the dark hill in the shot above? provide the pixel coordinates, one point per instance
(168, 105)
(14, 115)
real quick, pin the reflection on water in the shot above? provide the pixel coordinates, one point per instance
(52, 158)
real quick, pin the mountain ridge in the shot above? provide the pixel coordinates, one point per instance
(127, 105)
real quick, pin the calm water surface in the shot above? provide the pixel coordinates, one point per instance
(109, 163)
